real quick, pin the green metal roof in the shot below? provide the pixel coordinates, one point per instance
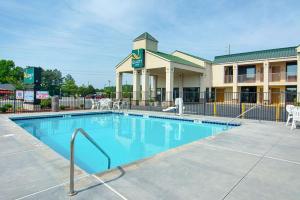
(197, 57)
(145, 36)
(174, 59)
(257, 55)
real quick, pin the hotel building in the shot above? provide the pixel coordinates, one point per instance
(258, 76)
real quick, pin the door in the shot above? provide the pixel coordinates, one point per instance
(248, 94)
(220, 94)
(275, 95)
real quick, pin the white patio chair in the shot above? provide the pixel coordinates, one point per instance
(95, 105)
(296, 117)
(289, 110)
(117, 104)
(105, 103)
(124, 104)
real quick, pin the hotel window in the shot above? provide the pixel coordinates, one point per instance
(291, 71)
(191, 94)
(291, 94)
(161, 94)
(175, 93)
(246, 73)
(228, 71)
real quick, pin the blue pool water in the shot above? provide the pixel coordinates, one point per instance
(124, 138)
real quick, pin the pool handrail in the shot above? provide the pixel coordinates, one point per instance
(72, 142)
(230, 121)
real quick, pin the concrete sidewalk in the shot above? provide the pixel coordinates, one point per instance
(253, 161)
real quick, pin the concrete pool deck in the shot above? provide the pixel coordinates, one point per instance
(258, 160)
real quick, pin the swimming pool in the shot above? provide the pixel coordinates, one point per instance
(125, 138)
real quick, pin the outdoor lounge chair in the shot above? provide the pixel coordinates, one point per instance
(105, 103)
(289, 110)
(178, 106)
(296, 117)
(95, 105)
(117, 104)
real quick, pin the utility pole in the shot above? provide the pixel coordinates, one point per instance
(229, 49)
(108, 83)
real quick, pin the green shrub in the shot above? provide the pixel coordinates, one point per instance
(5, 107)
(62, 107)
(45, 103)
(8, 106)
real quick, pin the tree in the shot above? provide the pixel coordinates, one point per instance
(84, 91)
(52, 81)
(9, 73)
(69, 87)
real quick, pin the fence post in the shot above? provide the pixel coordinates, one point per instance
(204, 102)
(215, 105)
(84, 103)
(14, 104)
(243, 109)
(277, 112)
(130, 101)
(215, 108)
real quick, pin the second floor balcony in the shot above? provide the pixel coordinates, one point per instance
(282, 77)
(228, 78)
(250, 78)
(259, 77)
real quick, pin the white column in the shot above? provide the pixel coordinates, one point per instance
(169, 83)
(203, 84)
(118, 85)
(298, 74)
(145, 85)
(181, 85)
(136, 85)
(235, 83)
(154, 87)
(266, 82)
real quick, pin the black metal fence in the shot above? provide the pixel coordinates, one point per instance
(13, 105)
(224, 104)
(268, 106)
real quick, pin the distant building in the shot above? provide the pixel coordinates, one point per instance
(6, 89)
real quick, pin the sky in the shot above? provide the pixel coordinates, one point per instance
(88, 38)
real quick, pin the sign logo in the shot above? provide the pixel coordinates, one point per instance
(29, 96)
(19, 94)
(42, 95)
(29, 75)
(138, 58)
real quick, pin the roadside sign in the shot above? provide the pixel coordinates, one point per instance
(29, 96)
(138, 58)
(19, 94)
(42, 95)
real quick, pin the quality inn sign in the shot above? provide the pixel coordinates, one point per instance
(138, 58)
(29, 75)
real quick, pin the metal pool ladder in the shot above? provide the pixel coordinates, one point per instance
(227, 123)
(72, 142)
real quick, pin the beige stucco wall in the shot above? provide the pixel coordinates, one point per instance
(191, 80)
(145, 44)
(125, 66)
(188, 68)
(152, 61)
(189, 58)
(218, 76)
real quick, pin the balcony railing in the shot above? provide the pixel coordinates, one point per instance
(228, 79)
(250, 78)
(282, 77)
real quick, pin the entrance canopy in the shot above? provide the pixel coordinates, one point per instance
(166, 71)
